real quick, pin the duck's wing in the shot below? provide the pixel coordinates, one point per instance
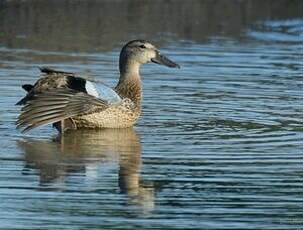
(59, 104)
(53, 79)
(102, 91)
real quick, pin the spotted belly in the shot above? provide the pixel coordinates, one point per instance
(114, 117)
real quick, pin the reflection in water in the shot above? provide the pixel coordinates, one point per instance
(83, 151)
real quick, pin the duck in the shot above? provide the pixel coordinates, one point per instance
(69, 102)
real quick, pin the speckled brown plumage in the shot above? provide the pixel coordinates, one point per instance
(62, 98)
(131, 88)
(50, 79)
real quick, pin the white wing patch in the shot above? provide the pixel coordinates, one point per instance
(103, 92)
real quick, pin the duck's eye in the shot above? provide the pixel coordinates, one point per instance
(142, 46)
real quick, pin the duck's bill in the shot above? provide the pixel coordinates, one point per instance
(162, 60)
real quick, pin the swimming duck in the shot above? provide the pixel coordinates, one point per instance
(71, 102)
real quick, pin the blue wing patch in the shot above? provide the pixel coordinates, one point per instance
(103, 92)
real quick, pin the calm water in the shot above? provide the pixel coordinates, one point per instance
(219, 143)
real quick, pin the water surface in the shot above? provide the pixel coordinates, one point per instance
(218, 145)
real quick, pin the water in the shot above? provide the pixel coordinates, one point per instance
(218, 145)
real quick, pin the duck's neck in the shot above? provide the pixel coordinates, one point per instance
(129, 85)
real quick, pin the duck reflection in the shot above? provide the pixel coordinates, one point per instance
(85, 152)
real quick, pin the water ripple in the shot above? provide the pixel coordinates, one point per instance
(219, 142)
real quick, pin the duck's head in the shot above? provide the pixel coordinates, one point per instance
(141, 52)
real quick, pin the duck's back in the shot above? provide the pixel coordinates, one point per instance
(52, 79)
